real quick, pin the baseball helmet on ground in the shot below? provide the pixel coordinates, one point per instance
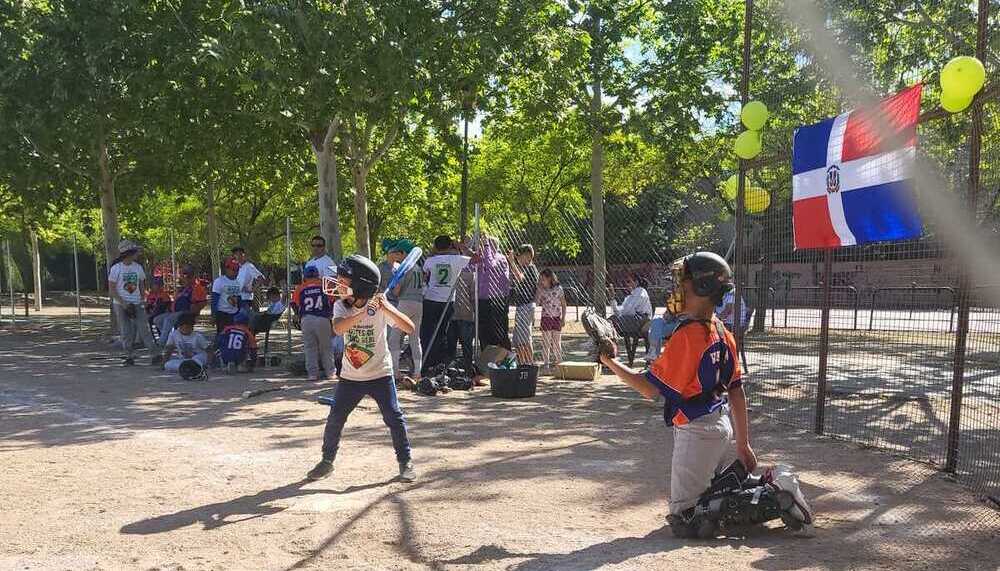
(191, 370)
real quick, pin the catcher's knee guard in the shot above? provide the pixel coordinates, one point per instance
(191, 370)
(737, 501)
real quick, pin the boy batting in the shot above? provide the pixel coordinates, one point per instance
(363, 316)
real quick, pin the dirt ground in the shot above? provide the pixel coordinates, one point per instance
(107, 467)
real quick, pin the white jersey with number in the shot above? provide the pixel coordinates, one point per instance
(442, 273)
(128, 280)
(366, 350)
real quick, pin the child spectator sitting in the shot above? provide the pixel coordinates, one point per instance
(157, 300)
(188, 344)
(191, 299)
(275, 307)
(237, 345)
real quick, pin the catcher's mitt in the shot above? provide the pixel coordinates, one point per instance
(130, 311)
(602, 332)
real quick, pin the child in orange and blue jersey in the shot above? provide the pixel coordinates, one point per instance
(698, 374)
(237, 346)
(314, 309)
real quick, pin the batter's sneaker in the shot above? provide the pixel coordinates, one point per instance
(128, 362)
(322, 470)
(406, 471)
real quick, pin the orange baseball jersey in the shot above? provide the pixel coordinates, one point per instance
(691, 372)
(251, 340)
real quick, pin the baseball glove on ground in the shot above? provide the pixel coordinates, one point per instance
(601, 331)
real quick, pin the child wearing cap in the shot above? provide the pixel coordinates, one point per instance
(126, 282)
(314, 309)
(237, 346)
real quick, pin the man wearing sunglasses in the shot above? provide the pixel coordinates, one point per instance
(323, 263)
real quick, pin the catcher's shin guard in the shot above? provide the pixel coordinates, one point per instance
(737, 500)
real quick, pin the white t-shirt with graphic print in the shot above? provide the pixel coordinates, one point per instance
(229, 294)
(366, 350)
(128, 280)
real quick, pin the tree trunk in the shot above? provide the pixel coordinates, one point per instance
(36, 270)
(109, 206)
(109, 217)
(213, 230)
(326, 174)
(359, 178)
(597, 170)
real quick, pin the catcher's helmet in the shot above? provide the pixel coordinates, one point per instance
(191, 370)
(363, 273)
(710, 277)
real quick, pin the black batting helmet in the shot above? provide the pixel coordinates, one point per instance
(363, 273)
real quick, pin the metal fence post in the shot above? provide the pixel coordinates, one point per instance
(288, 282)
(76, 276)
(475, 284)
(173, 264)
(824, 341)
(10, 283)
(962, 333)
(741, 185)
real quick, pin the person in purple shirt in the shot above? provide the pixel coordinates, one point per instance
(493, 272)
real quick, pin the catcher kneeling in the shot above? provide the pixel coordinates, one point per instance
(698, 374)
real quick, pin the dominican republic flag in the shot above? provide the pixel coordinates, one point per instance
(852, 184)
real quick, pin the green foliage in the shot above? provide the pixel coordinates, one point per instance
(226, 99)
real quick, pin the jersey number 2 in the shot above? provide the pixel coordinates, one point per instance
(443, 274)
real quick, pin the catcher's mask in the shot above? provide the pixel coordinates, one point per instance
(191, 370)
(710, 277)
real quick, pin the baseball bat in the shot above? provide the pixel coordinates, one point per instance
(408, 262)
(258, 392)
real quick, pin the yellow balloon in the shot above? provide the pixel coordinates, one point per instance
(754, 115)
(730, 187)
(757, 200)
(953, 103)
(963, 77)
(748, 144)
